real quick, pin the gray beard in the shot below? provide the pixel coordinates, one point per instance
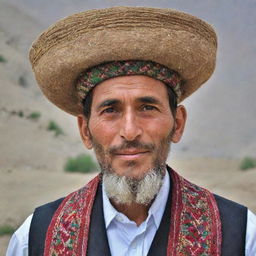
(126, 190)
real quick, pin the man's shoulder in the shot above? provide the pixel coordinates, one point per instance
(41, 220)
(49, 207)
(47, 210)
(234, 224)
(228, 205)
(44, 213)
(232, 214)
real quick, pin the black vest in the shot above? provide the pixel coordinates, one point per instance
(233, 218)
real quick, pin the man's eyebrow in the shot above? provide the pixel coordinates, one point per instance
(108, 102)
(111, 102)
(148, 99)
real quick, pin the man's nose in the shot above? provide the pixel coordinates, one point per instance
(131, 128)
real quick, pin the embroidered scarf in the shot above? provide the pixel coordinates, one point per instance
(195, 222)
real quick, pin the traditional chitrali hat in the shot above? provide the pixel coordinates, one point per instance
(174, 40)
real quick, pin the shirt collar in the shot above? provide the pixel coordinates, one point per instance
(109, 211)
(156, 210)
(158, 206)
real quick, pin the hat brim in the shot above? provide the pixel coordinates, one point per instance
(179, 41)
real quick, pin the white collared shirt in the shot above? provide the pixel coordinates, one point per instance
(125, 238)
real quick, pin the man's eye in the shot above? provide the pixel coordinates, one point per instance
(148, 107)
(108, 110)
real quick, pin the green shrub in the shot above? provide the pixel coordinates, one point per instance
(20, 113)
(248, 163)
(53, 126)
(6, 230)
(34, 116)
(2, 58)
(23, 81)
(82, 163)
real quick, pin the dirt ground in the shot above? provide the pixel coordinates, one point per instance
(23, 190)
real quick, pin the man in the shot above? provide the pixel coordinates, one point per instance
(122, 71)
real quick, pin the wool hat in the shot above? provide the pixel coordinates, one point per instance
(179, 41)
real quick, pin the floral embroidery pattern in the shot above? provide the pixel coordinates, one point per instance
(95, 75)
(69, 228)
(195, 221)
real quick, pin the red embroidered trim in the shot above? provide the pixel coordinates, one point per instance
(195, 222)
(69, 229)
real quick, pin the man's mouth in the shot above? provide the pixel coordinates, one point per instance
(131, 154)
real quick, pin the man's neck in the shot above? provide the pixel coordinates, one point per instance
(135, 212)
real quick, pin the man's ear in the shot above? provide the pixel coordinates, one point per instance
(84, 131)
(179, 125)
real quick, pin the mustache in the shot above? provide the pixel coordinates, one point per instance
(131, 144)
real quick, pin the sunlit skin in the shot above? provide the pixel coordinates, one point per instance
(131, 109)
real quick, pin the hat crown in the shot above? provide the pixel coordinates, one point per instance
(122, 18)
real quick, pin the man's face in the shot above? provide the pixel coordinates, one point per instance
(131, 125)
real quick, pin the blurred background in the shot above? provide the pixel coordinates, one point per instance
(37, 139)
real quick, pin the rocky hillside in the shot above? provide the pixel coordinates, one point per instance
(221, 119)
(26, 142)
